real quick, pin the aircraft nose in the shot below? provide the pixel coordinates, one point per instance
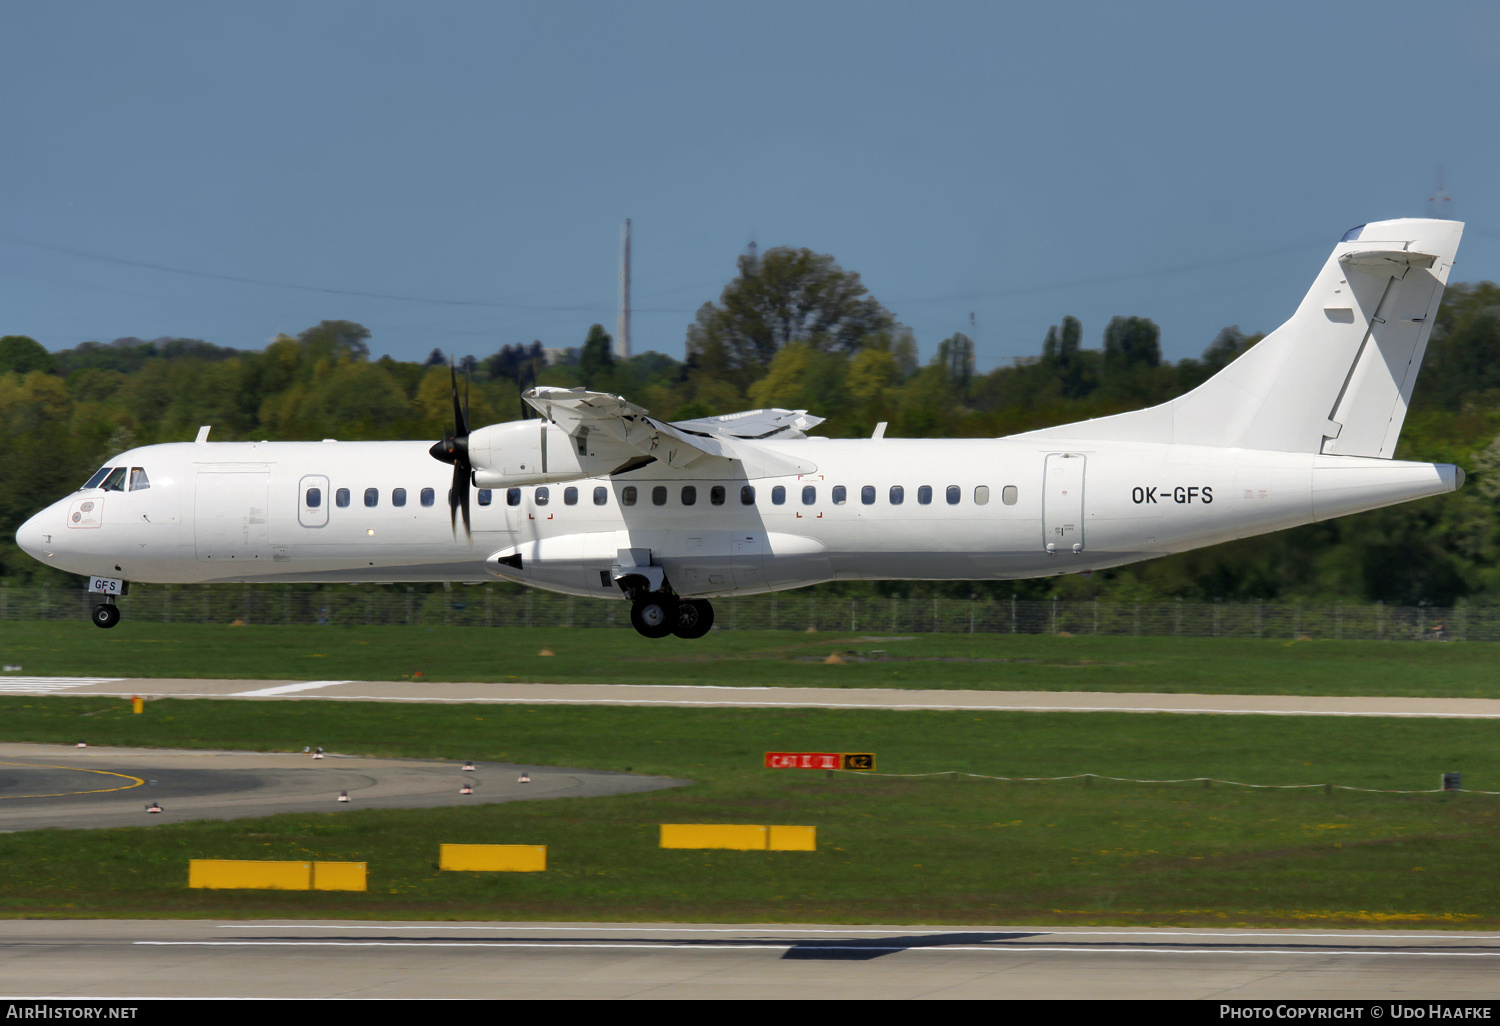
(34, 536)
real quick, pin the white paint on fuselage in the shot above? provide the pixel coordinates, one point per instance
(1140, 500)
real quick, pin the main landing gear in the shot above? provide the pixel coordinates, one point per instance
(106, 614)
(657, 614)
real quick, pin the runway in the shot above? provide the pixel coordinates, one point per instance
(61, 786)
(753, 697)
(122, 959)
(310, 959)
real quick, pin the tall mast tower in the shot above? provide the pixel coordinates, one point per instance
(622, 328)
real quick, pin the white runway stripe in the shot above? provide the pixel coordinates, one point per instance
(51, 683)
(1005, 949)
(1288, 936)
(287, 689)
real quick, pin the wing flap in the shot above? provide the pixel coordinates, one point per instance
(693, 443)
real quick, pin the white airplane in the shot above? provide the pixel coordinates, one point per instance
(598, 499)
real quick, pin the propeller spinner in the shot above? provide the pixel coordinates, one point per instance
(454, 449)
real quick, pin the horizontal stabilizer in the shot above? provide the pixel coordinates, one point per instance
(1393, 260)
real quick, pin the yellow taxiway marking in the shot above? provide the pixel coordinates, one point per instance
(137, 781)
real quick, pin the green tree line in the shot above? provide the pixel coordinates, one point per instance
(791, 329)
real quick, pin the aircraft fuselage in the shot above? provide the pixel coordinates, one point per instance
(875, 509)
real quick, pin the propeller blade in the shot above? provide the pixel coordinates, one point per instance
(460, 418)
(464, 507)
(454, 450)
(458, 499)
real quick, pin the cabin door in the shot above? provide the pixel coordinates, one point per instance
(1062, 503)
(229, 516)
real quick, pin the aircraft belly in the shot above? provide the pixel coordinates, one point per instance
(695, 562)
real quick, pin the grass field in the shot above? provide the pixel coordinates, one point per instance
(891, 849)
(972, 661)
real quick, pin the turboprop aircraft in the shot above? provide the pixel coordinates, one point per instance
(597, 498)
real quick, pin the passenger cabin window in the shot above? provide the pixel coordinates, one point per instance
(398, 496)
(627, 495)
(570, 496)
(955, 493)
(659, 495)
(99, 475)
(809, 494)
(428, 497)
(867, 495)
(716, 495)
(689, 495)
(1008, 495)
(341, 498)
(924, 495)
(601, 496)
(840, 495)
(314, 498)
(898, 495)
(486, 496)
(778, 496)
(372, 497)
(747, 495)
(543, 495)
(115, 482)
(138, 481)
(512, 496)
(981, 495)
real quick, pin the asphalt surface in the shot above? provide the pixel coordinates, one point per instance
(751, 697)
(122, 959)
(60, 786)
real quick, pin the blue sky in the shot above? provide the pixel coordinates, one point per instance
(1192, 163)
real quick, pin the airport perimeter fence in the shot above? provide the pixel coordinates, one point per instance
(500, 606)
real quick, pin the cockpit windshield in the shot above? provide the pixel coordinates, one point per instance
(114, 479)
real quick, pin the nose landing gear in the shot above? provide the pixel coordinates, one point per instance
(106, 614)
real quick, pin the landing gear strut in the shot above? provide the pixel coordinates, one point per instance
(655, 614)
(106, 615)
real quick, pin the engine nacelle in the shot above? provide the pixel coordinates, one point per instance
(525, 452)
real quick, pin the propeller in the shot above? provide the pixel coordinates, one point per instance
(454, 449)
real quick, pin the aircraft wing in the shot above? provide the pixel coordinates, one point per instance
(753, 424)
(683, 444)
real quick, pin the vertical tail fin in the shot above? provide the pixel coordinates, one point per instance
(1338, 376)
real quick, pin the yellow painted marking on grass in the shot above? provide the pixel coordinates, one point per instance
(81, 769)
